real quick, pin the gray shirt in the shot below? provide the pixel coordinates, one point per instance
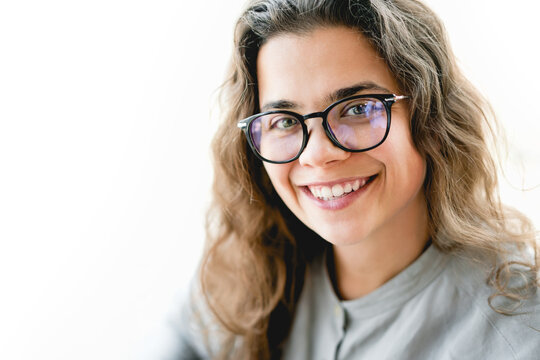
(437, 308)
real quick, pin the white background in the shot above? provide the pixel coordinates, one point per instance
(105, 123)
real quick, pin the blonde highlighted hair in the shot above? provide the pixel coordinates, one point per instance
(257, 251)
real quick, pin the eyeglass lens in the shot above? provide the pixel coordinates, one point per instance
(356, 124)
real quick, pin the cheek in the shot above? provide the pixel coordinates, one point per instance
(415, 170)
(404, 165)
(412, 171)
(279, 176)
(413, 161)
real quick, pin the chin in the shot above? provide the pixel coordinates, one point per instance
(340, 236)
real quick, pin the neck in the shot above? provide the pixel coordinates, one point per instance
(360, 268)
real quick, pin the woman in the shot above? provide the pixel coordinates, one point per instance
(355, 211)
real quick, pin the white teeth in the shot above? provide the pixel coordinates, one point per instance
(330, 193)
(326, 192)
(337, 190)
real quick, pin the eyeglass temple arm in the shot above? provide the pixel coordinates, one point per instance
(395, 98)
(242, 124)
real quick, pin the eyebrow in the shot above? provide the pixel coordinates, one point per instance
(330, 98)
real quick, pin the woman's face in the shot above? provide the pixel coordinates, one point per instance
(305, 72)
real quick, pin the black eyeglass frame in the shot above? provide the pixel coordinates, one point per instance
(387, 99)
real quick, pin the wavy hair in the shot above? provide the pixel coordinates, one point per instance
(256, 251)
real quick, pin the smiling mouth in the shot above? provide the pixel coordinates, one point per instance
(336, 191)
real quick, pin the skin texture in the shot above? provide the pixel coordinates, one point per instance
(382, 228)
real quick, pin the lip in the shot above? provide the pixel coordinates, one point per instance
(341, 202)
(334, 182)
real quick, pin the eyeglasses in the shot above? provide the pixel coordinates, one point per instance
(357, 123)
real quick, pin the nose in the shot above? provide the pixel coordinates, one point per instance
(319, 150)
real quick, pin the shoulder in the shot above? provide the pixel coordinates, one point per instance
(478, 317)
(195, 329)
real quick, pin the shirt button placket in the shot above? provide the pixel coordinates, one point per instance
(340, 318)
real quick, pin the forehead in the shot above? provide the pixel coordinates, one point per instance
(306, 68)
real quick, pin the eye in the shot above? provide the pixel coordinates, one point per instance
(357, 109)
(284, 123)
